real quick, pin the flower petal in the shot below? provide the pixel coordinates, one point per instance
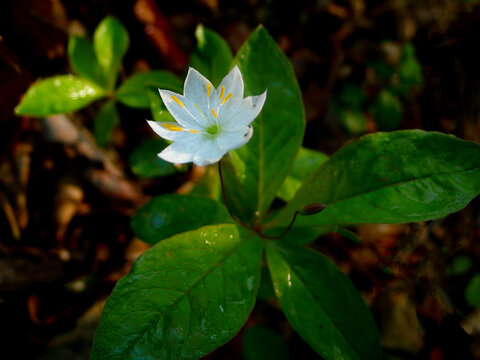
(183, 110)
(168, 130)
(208, 153)
(197, 88)
(238, 114)
(182, 151)
(231, 84)
(231, 140)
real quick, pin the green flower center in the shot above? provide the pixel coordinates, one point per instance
(212, 130)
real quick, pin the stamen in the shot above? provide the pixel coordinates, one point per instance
(222, 92)
(208, 89)
(174, 98)
(172, 127)
(213, 113)
(199, 110)
(226, 98)
(194, 131)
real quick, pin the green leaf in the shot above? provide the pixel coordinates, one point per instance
(167, 215)
(212, 55)
(306, 162)
(262, 343)
(134, 91)
(322, 304)
(83, 59)
(57, 95)
(183, 298)
(110, 42)
(262, 164)
(105, 121)
(387, 111)
(472, 292)
(460, 265)
(409, 76)
(396, 177)
(145, 162)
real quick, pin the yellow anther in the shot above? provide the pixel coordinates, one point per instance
(174, 98)
(199, 110)
(194, 131)
(172, 127)
(213, 113)
(226, 98)
(208, 89)
(222, 92)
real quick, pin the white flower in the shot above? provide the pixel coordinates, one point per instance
(210, 122)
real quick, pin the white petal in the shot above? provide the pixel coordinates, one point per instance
(231, 140)
(162, 130)
(232, 84)
(208, 153)
(182, 151)
(183, 110)
(197, 87)
(239, 114)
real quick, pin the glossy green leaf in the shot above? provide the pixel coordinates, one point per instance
(57, 95)
(212, 56)
(387, 111)
(322, 304)
(263, 163)
(105, 122)
(397, 177)
(134, 91)
(110, 42)
(306, 162)
(170, 214)
(144, 160)
(262, 343)
(83, 59)
(183, 298)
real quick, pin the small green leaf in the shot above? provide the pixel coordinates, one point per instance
(105, 121)
(262, 343)
(322, 304)
(167, 215)
(396, 177)
(306, 162)
(83, 59)
(472, 292)
(263, 163)
(110, 42)
(145, 162)
(134, 91)
(183, 298)
(57, 95)
(409, 77)
(460, 265)
(212, 55)
(387, 111)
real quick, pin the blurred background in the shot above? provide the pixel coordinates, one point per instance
(66, 202)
